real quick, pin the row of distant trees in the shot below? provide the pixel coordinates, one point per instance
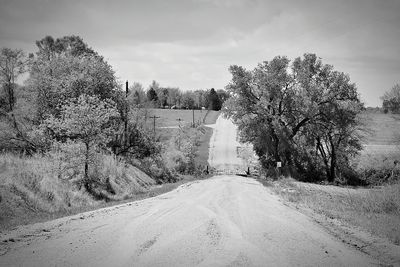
(171, 97)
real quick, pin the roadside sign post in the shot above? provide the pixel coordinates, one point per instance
(278, 167)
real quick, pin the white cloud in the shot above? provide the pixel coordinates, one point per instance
(191, 44)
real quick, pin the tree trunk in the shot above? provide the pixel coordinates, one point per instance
(332, 171)
(86, 182)
(11, 98)
(321, 150)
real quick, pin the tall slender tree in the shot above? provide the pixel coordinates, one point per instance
(12, 64)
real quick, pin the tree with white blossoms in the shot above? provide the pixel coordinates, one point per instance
(88, 121)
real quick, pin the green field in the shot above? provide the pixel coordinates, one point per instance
(384, 128)
(170, 117)
(382, 140)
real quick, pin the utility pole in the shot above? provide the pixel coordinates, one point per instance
(193, 117)
(126, 113)
(179, 135)
(154, 124)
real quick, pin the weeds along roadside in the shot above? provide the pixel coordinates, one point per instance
(41, 187)
(376, 210)
(35, 196)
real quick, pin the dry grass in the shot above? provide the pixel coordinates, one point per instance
(35, 187)
(204, 145)
(211, 117)
(382, 128)
(376, 210)
(376, 163)
(30, 191)
(34, 180)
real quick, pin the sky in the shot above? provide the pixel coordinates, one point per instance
(190, 44)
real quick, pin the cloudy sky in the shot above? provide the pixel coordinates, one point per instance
(190, 44)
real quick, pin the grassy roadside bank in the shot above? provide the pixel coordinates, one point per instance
(204, 145)
(32, 189)
(375, 210)
(41, 216)
(20, 205)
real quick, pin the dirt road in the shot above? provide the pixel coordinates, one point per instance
(222, 221)
(223, 147)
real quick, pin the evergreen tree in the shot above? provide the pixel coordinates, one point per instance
(214, 102)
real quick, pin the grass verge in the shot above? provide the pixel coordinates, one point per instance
(376, 210)
(204, 145)
(34, 189)
(211, 117)
(42, 216)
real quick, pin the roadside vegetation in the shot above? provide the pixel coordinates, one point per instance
(391, 100)
(72, 137)
(186, 145)
(379, 161)
(306, 118)
(337, 158)
(302, 115)
(376, 210)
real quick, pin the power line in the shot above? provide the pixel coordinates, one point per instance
(154, 124)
